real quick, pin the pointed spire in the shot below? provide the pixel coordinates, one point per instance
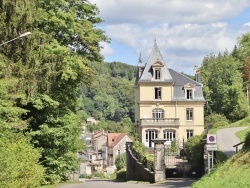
(140, 61)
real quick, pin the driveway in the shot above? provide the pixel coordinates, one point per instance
(95, 183)
(226, 139)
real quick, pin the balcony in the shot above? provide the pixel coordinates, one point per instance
(172, 122)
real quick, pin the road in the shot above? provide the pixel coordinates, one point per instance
(226, 138)
(95, 183)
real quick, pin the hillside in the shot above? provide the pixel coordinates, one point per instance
(235, 172)
(110, 96)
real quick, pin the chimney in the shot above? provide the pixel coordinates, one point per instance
(198, 75)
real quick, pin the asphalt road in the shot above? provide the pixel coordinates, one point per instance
(95, 183)
(226, 138)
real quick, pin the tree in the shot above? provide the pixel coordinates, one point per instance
(223, 86)
(46, 74)
(19, 161)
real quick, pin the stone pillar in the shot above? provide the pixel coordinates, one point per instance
(159, 162)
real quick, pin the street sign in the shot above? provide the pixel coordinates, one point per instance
(211, 147)
(211, 138)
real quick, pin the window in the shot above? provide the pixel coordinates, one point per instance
(169, 135)
(118, 152)
(157, 114)
(157, 93)
(190, 133)
(189, 94)
(157, 74)
(189, 114)
(90, 157)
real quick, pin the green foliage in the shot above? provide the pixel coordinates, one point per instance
(18, 161)
(121, 175)
(194, 151)
(247, 141)
(40, 75)
(223, 86)
(214, 118)
(139, 148)
(110, 97)
(120, 161)
(220, 124)
(242, 134)
(233, 173)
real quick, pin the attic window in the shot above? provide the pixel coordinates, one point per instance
(157, 70)
(189, 94)
(157, 74)
(189, 91)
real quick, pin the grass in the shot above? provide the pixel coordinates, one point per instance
(220, 157)
(241, 123)
(235, 172)
(242, 134)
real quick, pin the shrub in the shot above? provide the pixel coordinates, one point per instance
(120, 161)
(214, 118)
(220, 124)
(247, 141)
(121, 175)
(194, 151)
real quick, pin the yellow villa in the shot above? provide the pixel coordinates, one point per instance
(168, 105)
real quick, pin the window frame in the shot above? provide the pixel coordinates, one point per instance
(157, 113)
(189, 133)
(158, 93)
(189, 94)
(169, 135)
(189, 114)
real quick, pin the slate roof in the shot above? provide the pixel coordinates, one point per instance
(179, 81)
(169, 75)
(147, 74)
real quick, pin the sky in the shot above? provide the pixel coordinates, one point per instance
(186, 31)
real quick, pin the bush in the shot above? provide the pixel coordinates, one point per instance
(121, 175)
(245, 121)
(18, 161)
(220, 124)
(214, 118)
(120, 161)
(194, 151)
(247, 141)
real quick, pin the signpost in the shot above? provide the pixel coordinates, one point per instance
(211, 146)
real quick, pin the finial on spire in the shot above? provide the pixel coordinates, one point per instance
(140, 61)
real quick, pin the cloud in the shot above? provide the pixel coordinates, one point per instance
(106, 49)
(186, 31)
(171, 11)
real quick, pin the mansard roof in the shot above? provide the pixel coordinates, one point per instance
(180, 82)
(154, 59)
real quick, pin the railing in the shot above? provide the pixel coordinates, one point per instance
(162, 122)
(237, 145)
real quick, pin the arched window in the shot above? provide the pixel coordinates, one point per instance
(158, 113)
(169, 135)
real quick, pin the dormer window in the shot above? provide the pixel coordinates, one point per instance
(157, 74)
(189, 94)
(157, 70)
(189, 91)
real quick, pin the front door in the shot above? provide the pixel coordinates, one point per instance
(151, 135)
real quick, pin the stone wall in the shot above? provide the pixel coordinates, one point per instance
(135, 169)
